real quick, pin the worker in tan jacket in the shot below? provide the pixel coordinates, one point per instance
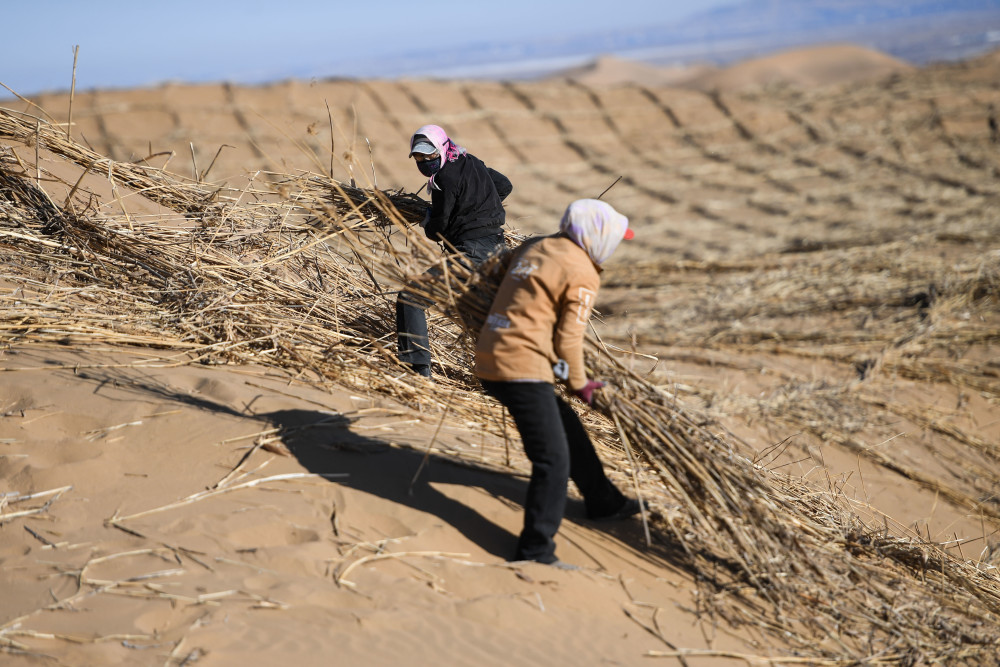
(532, 337)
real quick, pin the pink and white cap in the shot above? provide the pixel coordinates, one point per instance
(438, 138)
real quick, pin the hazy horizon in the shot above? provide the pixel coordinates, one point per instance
(129, 45)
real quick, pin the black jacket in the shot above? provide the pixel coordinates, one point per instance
(468, 203)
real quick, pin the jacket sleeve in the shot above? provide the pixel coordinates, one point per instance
(574, 316)
(501, 183)
(442, 205)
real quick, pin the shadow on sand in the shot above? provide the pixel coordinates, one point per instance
(323, 442)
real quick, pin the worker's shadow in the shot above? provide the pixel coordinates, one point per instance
(325, 444)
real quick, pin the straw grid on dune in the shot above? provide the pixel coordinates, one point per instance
(295, 271)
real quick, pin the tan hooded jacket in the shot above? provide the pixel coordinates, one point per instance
(540, 314)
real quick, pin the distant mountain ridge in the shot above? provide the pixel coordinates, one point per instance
(917, 32)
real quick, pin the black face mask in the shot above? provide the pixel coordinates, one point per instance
(429, 167)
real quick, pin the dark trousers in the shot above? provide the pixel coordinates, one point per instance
(559, 449)
(411, 316)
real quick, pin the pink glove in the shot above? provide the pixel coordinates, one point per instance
(586, 394)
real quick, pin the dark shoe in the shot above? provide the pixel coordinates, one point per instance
(421, 369)
(628, 509)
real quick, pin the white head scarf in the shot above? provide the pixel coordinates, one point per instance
(595, 226)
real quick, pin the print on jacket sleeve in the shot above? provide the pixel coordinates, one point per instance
(496, 321)
(586, 303)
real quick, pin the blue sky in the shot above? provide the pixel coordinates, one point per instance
(138, 43)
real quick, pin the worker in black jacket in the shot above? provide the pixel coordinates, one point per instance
(466, 213)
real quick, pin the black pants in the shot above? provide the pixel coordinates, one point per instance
(559, 449)
(411, 316)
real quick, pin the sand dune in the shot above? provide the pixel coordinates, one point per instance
(613, 71)
(812, 67)
(827, 65)
(816, 272)
(259, 575)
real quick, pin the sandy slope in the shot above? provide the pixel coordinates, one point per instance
(785, 241)
(288, 569)
(825, 65)
(812, 67)
(615, 71)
